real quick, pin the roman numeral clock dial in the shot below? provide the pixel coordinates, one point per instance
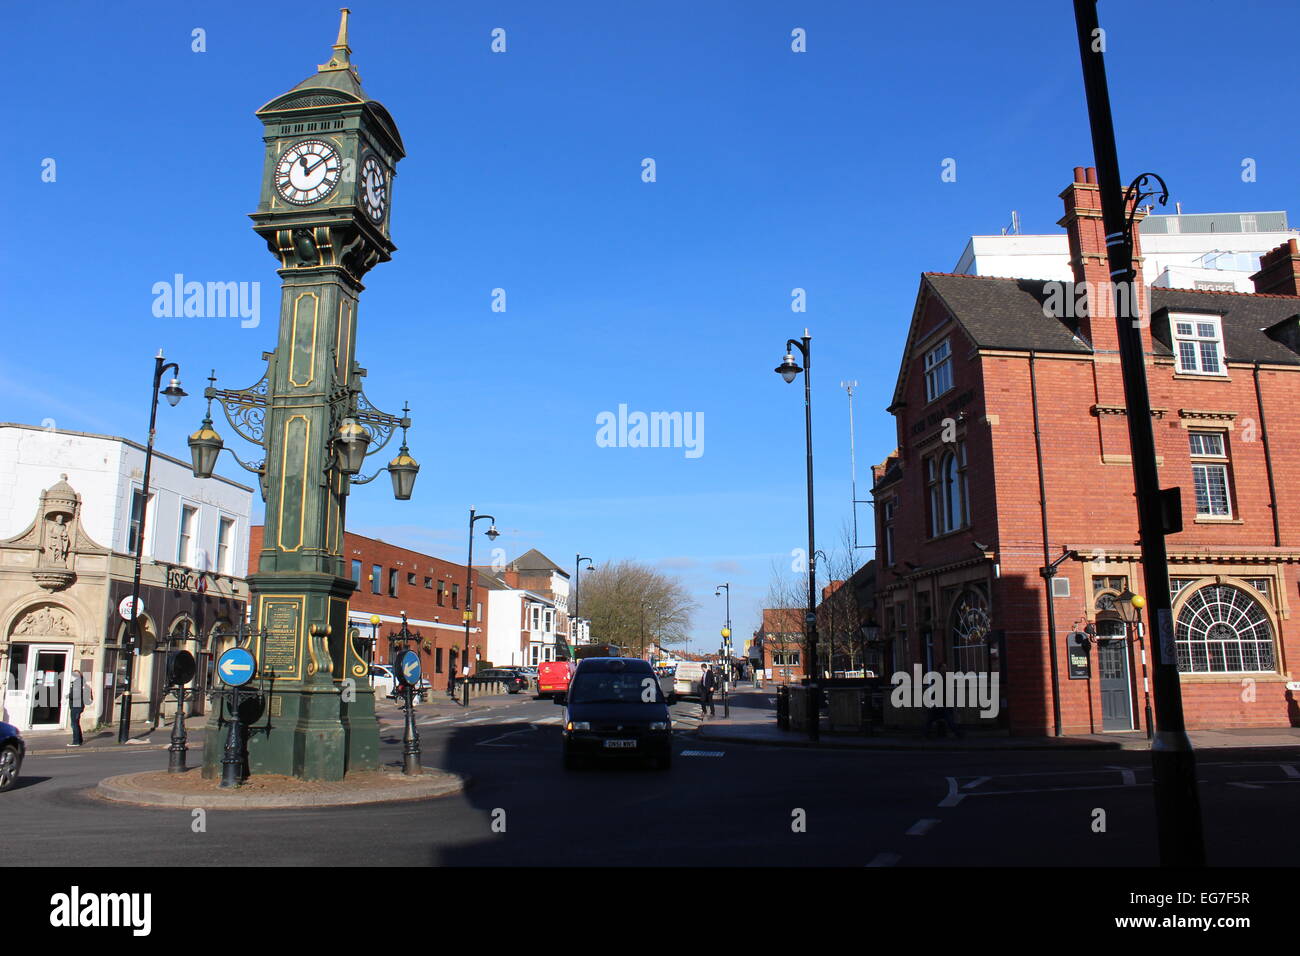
(374, 188)
(307, 172)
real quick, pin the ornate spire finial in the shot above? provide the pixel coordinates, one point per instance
(339, 60)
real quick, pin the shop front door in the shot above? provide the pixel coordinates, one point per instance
(48, 675)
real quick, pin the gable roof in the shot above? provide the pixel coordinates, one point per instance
(534, 560)
(1256, 328)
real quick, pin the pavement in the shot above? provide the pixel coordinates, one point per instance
(752, 720)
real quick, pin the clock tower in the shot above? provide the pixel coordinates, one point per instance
(327, 186)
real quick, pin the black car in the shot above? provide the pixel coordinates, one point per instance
(12, 751)
(616, 709)
(514, 681)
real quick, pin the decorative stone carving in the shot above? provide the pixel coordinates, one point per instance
(45, 620)
(56, 537)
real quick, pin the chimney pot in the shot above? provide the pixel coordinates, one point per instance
(1078, 174)
(1092, 174)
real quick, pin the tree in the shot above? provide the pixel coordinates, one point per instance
(633, 605)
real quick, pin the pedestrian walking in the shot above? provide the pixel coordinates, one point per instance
(708, 684)
(80, 697)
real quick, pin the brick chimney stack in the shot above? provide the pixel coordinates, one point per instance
(1279, 271)
(1088, 260)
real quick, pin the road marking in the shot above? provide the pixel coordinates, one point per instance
(1289, 769)
(922, 827)
(702, 753)
(1245, 786)
(476, 720)
(975, 783)
(953, 798)
(1125, 774)
(492, 743)
(549, 721)
(885, 859)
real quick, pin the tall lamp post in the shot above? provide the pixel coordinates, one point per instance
(577, 578)
(1173, 762)
(788, 370)
(726, 629)
(173, 393)
(1129, 606)
(492, 534)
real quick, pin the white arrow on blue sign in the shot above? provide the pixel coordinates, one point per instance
(408, 667)
(236, 666)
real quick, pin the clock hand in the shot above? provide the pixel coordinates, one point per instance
(308, 169)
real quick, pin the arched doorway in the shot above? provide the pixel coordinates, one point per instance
(41, 650)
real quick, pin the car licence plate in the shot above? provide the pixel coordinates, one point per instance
(620, 744)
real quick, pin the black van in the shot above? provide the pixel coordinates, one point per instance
(616, 709)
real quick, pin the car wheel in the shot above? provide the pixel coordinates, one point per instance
(8, 766)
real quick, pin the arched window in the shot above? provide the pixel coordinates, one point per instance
(970, 627)
(1223, 630)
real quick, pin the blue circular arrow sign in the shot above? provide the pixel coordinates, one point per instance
(408, 667)
(236, 666)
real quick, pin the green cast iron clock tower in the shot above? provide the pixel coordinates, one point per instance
(331, 154)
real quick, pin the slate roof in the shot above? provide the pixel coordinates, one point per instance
(1008, 314)
(534, 560)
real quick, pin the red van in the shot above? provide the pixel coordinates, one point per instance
(553, 678)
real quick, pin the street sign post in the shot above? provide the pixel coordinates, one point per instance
(236, 668)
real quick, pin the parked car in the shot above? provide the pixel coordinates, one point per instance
(385, 683)
(514, 681)
(615, 708)
(12, 751)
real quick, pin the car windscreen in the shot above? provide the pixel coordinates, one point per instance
(615, 687)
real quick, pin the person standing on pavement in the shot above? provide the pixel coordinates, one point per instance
(708, 684)
(79, 698)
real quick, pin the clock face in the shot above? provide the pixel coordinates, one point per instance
(307, 172)
(374, 188)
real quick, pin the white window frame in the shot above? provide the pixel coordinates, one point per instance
(227, 566)
(1197, 341)
(1206, 462)
(185, 555)
(936, 367)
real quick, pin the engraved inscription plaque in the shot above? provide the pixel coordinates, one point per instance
(280, 649)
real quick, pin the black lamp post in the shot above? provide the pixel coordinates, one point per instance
(577, 578)
(1173, 762)
(788, 370)
(492, 534)
(1129, 606)
(726, 628)
(173, 393)
(180, 671)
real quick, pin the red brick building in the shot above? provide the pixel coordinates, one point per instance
(780, 642)
(1013, 451)
(391, 580)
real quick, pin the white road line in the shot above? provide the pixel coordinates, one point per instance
(549, 721)
(476, 720)
(922, 827)
(1125, 774)
(702, 753)
(954, 797)
(492, 741)
(1245, 786)
(885, 859)
(1289, 769)
(975, 783)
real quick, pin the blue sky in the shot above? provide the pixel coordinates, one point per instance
(775, 171)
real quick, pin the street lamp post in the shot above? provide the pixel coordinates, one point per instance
(577, 578)
(1130, 607)
(726, 629)
(1173, 762)
(492, 533)
(173, 393)
(788, 370)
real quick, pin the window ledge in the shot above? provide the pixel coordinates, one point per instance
(1202, 376)
(1208, 520)
(1233, 677)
